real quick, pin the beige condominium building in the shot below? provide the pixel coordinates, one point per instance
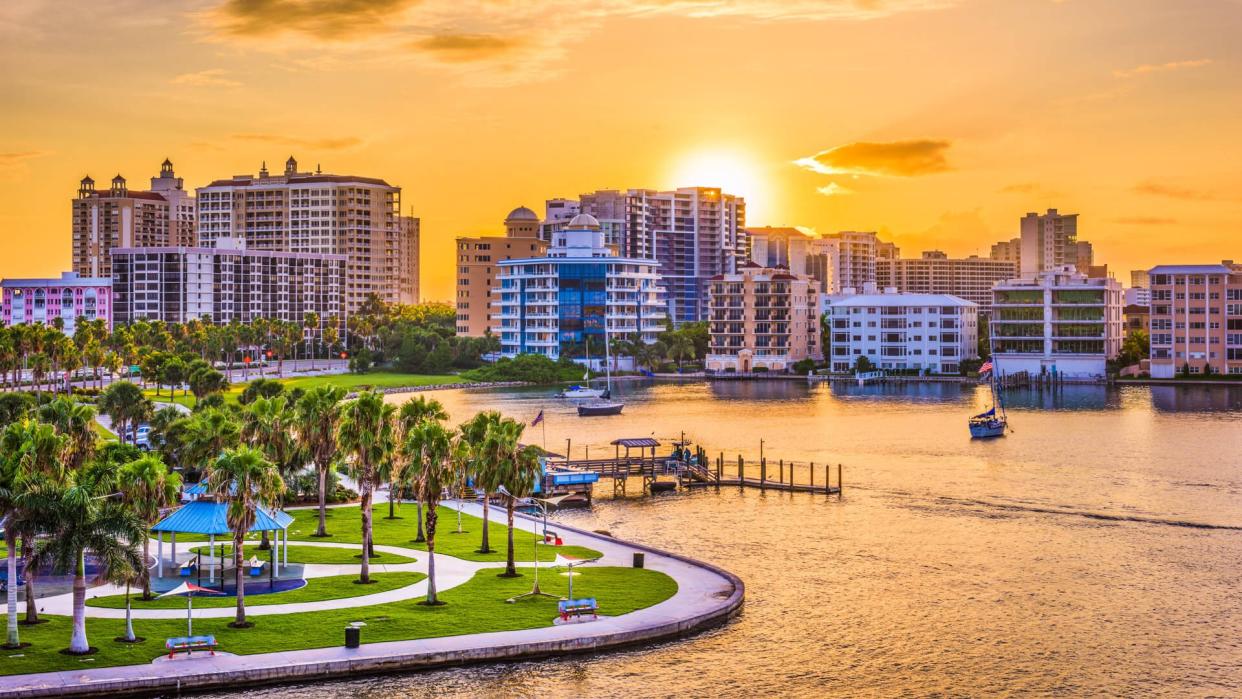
(761, 318)
(1196, 319)
(123, 217)
(971, 278)
(316, 212)
(478, 268)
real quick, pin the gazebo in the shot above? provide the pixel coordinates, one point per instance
(208, 518)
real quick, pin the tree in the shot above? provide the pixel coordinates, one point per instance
(74, 421)
(247, 481)
(649, 355)
(1134, 348)
(205, 381)
(81, 515)
(310, 323)
(14, 407)
(124, 403)
(207, 435)
(862, 365)
(40, 365)
(411, 414)
(520, 469)
(428, 446)
(680, 347)
(260, 388)
(318, 416)
(147, 486)
(366, 436)
(485, 455)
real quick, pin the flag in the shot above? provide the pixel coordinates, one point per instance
(538, 419)
(987, 366)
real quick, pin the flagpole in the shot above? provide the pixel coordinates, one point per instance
(544, 421)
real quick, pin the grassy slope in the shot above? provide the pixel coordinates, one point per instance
(345, 525)
(475, 607)
(309, 554)
(316, 589)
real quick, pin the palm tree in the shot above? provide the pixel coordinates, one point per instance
(267, 425)
(484, 462)
(428, 445)
(366, 435)
(75, 421)
(147, 486)
(519, 471)
(680, 347)
(318, 415)
(247, 481)
(26, 447)
(649, 355)
(310, 322)
(94, 355)
(81, 514)
(40, 365)
(207, 435)
(37, 452)
(124, 403)
(412, 412)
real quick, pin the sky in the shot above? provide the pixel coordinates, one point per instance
(937, 123)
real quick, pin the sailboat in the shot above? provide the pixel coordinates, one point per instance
(992, 422)
(606, 406)
(577, 392)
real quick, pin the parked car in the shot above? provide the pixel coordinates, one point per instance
(140, 437)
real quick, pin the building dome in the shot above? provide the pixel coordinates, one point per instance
(522, 214)
(582, 221)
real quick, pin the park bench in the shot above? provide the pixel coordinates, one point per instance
(577, 607)
(189, 644)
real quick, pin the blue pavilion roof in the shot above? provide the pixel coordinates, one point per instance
(203, 517)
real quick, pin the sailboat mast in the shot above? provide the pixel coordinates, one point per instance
(607, 359)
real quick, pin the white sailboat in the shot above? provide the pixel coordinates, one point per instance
(606, 406)
(577, 392)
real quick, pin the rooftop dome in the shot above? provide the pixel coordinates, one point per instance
(586, 221)
(522, 214)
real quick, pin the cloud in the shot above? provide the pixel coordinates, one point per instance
(213, 77)
(508, 41)
(1148, 68)
(465, 48)
(832, 189)
(20, 156)
(1160, 189)
(1145, 221)
(892, 159)
(332, 143)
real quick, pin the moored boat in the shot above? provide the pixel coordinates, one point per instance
(602, 407)
(992, 422)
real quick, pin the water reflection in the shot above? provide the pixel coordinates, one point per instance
(1196, 398)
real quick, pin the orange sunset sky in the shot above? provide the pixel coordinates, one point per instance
(936, 122)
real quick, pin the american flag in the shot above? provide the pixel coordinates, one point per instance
(538, 419)
(987, 366)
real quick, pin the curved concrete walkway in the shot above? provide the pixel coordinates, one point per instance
(706, 596)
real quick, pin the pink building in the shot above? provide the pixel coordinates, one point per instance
(1196, 319)
(40, 301)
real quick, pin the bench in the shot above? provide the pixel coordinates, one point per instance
(577, 608)
(189, 644)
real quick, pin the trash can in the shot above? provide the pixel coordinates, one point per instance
(639, 559)
(353, 636)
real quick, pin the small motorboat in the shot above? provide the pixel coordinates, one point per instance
(601, 407)
(582, 392)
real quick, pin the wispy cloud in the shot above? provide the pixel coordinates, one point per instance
(1145, 221)
(212, 77)
(20, 156)
(832, 189)
(1161, 189)
(891, 159)
(1148, 68)
(329, 143)
(466, 48)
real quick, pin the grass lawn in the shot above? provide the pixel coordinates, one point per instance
(316, 589)
(311, 554)
(351, 382)
(104, 434)
(475, 607)
(345, 525)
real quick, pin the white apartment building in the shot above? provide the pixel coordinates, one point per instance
(847, 259)
(970, 278)
(779, 247)
(1059, 322)
(932, 333)
(226, 283)
(313, 212)
(693, 232)
(558, 304)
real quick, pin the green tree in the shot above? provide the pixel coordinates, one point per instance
(486, 452)
(124, 403)
(207, 435)
(318, 417)
(74, 421)
(862, 365)
(246, 481)
(411, 413)
(365, 434)
(520, 471)
(428, 446)
(680, 347)
(147, 486)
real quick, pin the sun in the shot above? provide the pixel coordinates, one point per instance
(734, 172)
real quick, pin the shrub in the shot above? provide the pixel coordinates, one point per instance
(803, 366)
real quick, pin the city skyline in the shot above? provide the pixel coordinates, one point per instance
(930, 147)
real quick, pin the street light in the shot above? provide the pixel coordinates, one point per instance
(542, 504)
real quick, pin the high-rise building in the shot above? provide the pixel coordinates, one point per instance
(314, 212)
(1196, 319)
(970, 278)
(1059, 322)
(478, 269)
(693, 232)
(899, 331)
(122, 217)
(408, 257)
(226, 283)
(1084, 256)
(1140, 279)
(1050, 242)
(1008, 251)
(558, 304)
(779, 247)
(761, 318)
(851, 256)
(41, 301)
